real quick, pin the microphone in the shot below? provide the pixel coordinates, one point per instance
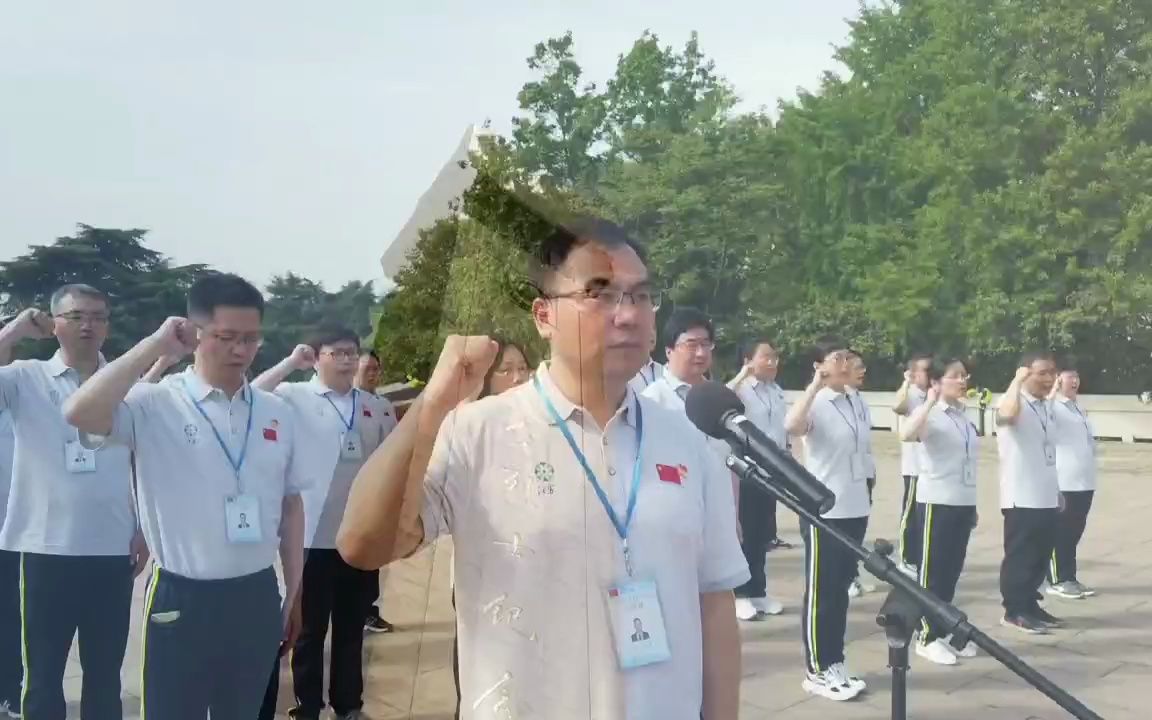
(718, 412)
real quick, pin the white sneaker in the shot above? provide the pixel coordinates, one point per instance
(937, 652)
(828, 685)
(909, 570)
(851, 680)
(969, 650)
(745, 610)
(866, 585)
(768, 605)
(854, 590)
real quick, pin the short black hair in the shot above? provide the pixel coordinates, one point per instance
(1030, 356)
(216, 290)
(748, 347)
(557, 245)
(330, 335)
(825, 346)
(939, 367)
(1068, 363)
(683, 319)
(918, 356)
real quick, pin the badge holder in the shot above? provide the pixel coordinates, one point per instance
(907, 603)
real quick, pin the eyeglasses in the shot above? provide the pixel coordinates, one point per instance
(697, 345)
(342, 354)
(506, 371)
(605, 299)
(247, 340)
(80, 318)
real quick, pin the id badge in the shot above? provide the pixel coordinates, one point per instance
(79, 459)
(638, 624)
(350, 448)
(1049, 453)
(969, 474)
(857, 462)
(242, 514)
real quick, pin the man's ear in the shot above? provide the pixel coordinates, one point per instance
(543, 311)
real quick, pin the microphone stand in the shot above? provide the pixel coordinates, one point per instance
(907, 603)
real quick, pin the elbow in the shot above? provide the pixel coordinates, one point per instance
(75, 416)
(906, 436)
(359, 550)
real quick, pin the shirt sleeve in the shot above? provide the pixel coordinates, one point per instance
(10, 379)
(722, 565)
(137, 409)
(448, 473)
(296, 478)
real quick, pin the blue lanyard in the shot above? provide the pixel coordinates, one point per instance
(621, 527)
(964, 428)
(351, 420)
(237, 462)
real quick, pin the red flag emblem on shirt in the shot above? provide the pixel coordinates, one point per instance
(669, 474)
(270, 434)
(367, 412)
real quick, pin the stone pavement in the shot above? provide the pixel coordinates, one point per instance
(1104, 656)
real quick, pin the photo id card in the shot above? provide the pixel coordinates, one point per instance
(242, 514)
(638, 624)
(350, 448)
(79, 459)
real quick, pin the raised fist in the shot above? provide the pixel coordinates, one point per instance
(459, 373)
(34, 324)
(177, 338)
(303, 357)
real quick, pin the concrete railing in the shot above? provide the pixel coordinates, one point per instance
(1114, 417)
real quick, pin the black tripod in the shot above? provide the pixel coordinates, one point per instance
(907, 603)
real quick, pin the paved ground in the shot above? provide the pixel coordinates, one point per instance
(1104, 656)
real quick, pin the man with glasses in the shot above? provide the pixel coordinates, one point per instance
(575, 506)
(219, 489)
(69, 514)
(344, 426)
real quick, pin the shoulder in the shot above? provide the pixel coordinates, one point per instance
(269, 402)
(23, 368)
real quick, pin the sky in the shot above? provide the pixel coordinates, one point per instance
(272, 137)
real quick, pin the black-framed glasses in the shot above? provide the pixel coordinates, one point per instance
(342, 354)
(695, 346)
(80, 318)
(605, 299)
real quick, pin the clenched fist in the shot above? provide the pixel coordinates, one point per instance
(177, 337)
(459, 373)
(303, 357)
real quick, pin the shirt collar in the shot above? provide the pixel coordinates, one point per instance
(321, 389)
(57, 367)
(1030, 397)
(566, 409)
(757, 383)
(674, 382)
(201, 391)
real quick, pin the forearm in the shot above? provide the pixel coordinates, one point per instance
(271, 378)
(382, 520)
(1009, 408)
(92, 408)
(721, 645)
(797, 420)
(156, 372)
(292, 546)
(911, 429)
(901, 407)
(9, 337)
(735, 382)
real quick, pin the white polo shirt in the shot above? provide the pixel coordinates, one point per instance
(834, 452)
(323, 416)
(648, 374)
(184, 478)
(948, 471)
(765, 406)
(7, 448)
(670, 392)
(864, 419)
(536, 553)
(52, 511)
(910, 452)
(1027, 457)
(1075, 446)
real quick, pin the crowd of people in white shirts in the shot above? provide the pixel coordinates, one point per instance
(604, 556)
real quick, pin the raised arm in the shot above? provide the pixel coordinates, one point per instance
(1010, 405)
(744, 374)
(383, 517)
(30, 324)
(915, 425)
(92, 408)
(901, 407)
(303, 357)
(796, 422)
(161, 366)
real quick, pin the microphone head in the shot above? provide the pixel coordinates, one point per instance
(708, 404)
